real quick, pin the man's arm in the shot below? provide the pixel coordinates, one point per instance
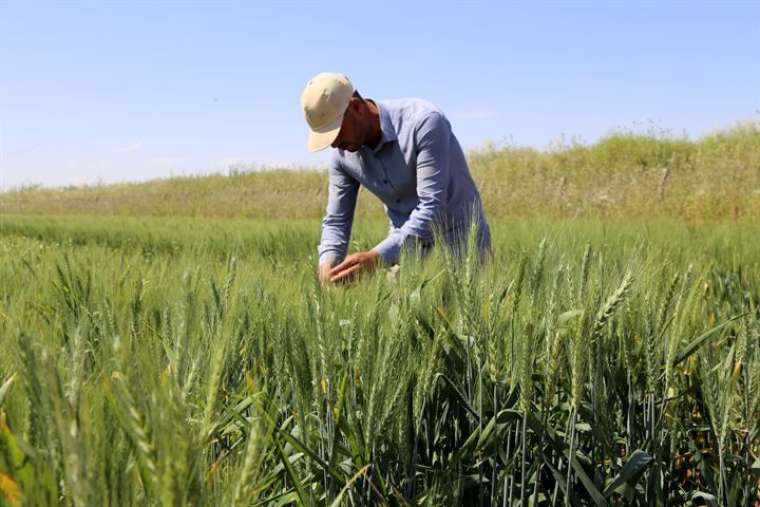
(433, 134)
(339, 216)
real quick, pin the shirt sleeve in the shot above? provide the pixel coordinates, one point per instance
(433, 140)
(339, 215)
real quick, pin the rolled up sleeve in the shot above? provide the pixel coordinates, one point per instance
(339, 215)
(433, 139)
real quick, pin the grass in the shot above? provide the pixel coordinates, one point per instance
(194, 360)
(166, 343)
(627, 174)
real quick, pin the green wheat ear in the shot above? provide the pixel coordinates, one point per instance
(617, 297)
(134, 425)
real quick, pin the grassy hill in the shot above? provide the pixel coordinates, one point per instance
(716, 177)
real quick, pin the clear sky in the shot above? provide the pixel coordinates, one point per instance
(115, 91)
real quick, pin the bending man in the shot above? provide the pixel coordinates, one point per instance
(404, 152)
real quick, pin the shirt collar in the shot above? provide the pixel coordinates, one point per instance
(387, 131)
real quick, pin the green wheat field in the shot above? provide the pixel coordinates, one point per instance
(167, 343)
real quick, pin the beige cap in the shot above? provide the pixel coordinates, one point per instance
(324, 102)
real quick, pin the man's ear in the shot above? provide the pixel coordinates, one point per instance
(356, 104)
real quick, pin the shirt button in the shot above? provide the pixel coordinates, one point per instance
(385, 181)
(398, 201)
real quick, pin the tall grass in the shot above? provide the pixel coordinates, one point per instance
(198, 362)
(626, 174)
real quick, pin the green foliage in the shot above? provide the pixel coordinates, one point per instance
(196, 361)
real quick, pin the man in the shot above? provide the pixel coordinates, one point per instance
(405, 153)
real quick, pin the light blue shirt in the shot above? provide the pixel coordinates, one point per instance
(418, 171)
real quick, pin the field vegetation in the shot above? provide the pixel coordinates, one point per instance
(197, 361)
(180, 351)
(623, 175)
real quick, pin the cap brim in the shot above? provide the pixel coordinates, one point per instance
(321, 139)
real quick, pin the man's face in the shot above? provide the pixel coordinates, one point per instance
(353, 130)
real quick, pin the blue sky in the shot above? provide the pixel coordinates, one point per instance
(115, 91)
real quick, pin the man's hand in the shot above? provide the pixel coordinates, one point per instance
(324, 273)
(350, 267)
